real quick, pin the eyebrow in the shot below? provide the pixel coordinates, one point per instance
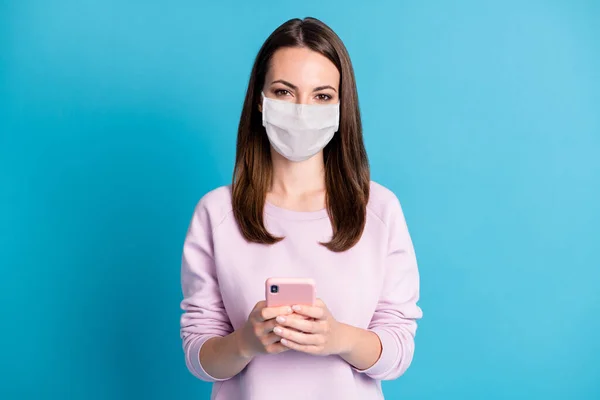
(294, 87)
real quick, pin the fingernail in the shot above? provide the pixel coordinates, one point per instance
(283, 341)
(297, 308)
(280, 319)
(288, 310)
(277, 330)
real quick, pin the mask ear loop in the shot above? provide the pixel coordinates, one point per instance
(262, 99)
(262, 106)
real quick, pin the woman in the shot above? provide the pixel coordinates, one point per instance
(301, 205)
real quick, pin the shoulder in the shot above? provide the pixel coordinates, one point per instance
(219, 198)
(215, 206)
(383, 203)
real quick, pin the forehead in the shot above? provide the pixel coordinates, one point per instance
(302, 67)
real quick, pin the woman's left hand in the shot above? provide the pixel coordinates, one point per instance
(319, 333)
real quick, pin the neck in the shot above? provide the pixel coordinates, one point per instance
(298, 178)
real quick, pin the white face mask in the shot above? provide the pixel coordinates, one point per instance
(299, 131)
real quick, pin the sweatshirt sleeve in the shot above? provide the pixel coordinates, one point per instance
(394, 320)
(204, 315)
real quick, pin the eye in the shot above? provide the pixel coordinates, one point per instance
(281, 92)
(323, 97)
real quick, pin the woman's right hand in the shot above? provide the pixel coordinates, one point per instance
(256, 336)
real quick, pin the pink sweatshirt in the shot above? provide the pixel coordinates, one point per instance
(374, 285)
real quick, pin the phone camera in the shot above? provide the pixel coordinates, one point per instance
(274, 289)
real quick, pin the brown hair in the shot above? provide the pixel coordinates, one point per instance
(347, 177)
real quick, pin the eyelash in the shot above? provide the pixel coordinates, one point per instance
(281, 92)
(327, 97)
(285, 92)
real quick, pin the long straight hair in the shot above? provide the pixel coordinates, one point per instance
(347, 176)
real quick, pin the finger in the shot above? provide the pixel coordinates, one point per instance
(268, 313)
(260, 305)
(256, 310)
(310, 349)
(298, 337)
(276, 348)
(269, 339)
(315, 312)
(299, 323)
(268, 326)
(298, 316)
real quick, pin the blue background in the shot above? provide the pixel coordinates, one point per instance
(116, 117)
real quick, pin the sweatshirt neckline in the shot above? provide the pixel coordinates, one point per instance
(285, 213)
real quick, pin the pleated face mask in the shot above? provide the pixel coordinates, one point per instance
(299, 131)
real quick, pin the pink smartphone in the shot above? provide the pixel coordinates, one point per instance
(290, 291)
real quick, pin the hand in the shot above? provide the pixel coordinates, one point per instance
(256, 336)
(318, 334)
